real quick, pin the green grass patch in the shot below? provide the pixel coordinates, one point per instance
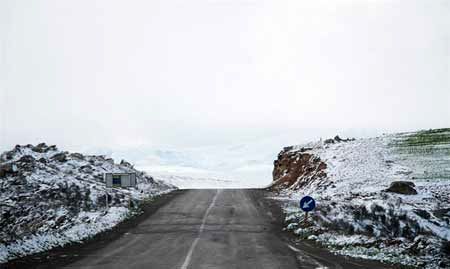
(426, 152)
(433, 137)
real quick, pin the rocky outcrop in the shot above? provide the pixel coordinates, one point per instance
(45, 193)
(296, 168)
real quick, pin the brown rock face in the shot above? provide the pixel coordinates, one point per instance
(295, 169)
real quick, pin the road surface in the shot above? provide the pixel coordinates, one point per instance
(208, 229)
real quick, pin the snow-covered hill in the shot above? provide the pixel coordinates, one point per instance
(49, 198)
(360, 211)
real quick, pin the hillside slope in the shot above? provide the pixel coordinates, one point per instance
(49, 198)
(384, 198)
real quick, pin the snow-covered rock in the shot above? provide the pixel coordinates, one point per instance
(49, 198)
(355, 213)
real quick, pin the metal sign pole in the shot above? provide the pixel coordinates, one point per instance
(106, 191)
(107, 202)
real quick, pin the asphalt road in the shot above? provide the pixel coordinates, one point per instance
(207, 229)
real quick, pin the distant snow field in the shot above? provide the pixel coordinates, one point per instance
(191, 178)
(246, 165)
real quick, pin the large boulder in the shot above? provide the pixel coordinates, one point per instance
(402, 187)
(40, 148)
(86, 169)
(6, 169)
(77, 155)
(27, 159)
(52, 148)
(7, 156)
(126, 164)
(60, 157)
(338, 139)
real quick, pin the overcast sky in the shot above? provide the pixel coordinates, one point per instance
(191, 73)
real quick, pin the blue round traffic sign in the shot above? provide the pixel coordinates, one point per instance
(307, 203)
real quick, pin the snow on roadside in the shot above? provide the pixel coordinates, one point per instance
(50, 198)
(355, 215)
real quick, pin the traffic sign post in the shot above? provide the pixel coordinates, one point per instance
(107, 202)
(307, 204)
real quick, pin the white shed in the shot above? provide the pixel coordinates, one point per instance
(123, 180)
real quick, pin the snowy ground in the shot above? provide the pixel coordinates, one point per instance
(356, 217)
(49, 198)
(196, 181)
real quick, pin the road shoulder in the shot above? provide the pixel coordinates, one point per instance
(309, 253)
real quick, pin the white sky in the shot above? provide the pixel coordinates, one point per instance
(193, 73)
